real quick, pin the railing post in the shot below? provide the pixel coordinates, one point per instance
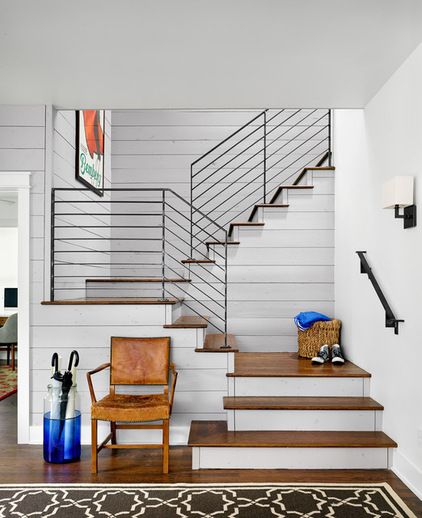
(191, 211)
(329, 139)
(225, 291)
(265, 157)
(163, 244)
(52, 239)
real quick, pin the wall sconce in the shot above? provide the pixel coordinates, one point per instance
(398, 193)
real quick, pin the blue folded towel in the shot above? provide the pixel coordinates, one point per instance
(305, 319)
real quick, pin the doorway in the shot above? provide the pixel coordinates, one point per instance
(14, 299)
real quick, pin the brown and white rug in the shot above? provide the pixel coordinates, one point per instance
(202, 501)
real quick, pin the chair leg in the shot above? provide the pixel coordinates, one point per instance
(13, 357)
(8, 354)
(94, 441)
(166, 446)
(113, 433)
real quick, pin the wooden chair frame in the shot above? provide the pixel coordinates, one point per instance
(114, 426)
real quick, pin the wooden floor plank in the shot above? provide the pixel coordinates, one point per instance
(25, 465)
(287, 364)
(215, 433)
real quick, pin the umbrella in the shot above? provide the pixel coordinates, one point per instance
(63, 405)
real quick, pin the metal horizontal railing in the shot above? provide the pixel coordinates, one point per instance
(248, 166)
(131, 235)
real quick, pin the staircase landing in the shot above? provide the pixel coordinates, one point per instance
(287, 364)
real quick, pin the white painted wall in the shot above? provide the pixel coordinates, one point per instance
(371, 146)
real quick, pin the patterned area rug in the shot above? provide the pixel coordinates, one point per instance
(199, 500)
(8, 381)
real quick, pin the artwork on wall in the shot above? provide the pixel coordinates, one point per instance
(90, 149)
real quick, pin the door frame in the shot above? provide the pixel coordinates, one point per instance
(19, 182)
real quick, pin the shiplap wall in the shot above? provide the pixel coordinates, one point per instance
(22, 148)
(277, 271)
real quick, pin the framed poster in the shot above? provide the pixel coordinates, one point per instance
(90, 149)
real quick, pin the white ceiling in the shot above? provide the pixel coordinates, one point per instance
(202, 53)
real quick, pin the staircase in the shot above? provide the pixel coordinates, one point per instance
(279, 404)
(267, 184)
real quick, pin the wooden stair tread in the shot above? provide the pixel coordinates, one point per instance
(267, 205)
(247, 224)
(214, 341)
(188, 322)
(215, 434)
(244, 224)
(293, 186)
(197, 261)
(111, 300)
(286, 364)
(210, 243)
(320, 168)
(316, 168)
(282, 187)
(273, 205)
(135, 279)
(300, 403)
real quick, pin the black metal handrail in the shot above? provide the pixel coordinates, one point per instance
(249, 165)
(135, 234)
(390, 318)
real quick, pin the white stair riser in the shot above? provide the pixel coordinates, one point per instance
(287, 219)
(337, 420)
(298, 386)
(133, 289)
(290, 458)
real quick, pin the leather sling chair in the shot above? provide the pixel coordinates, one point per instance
(134, 361)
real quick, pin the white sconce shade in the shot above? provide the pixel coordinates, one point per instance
(398, 192)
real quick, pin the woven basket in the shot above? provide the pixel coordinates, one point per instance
(320, 333)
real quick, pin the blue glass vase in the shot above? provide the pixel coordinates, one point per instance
(62, 438)
(62, 426)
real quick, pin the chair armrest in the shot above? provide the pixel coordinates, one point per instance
(173, 384)
(88, 377)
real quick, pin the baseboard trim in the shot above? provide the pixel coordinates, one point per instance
(408, 473)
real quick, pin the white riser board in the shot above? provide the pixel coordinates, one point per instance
(290, 458)
(298, 386)
(336, 420)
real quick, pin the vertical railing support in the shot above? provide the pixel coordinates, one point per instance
(163, 244)
(330, 152)
(226, 346)
(52, 240)
(191, 212)
(265, 158)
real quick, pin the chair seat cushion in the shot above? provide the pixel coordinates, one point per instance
(124, 407)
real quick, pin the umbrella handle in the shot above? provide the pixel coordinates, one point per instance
(55, 362)
(73, 354)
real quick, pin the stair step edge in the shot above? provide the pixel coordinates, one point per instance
(301, 403)
(215, 434)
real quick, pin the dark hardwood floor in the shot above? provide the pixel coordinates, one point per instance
(24, 464)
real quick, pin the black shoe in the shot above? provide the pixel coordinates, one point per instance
(323, 355)
(336, 354)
